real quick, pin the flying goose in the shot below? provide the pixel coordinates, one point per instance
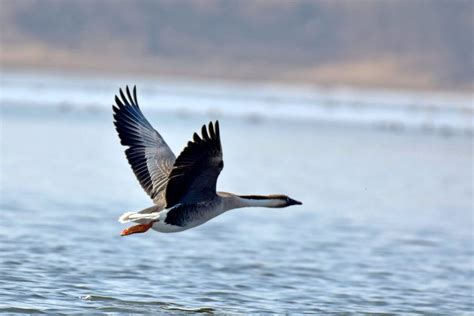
(183, 189)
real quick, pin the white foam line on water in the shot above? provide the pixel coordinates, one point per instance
(412, 110)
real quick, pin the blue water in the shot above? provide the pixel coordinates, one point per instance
(386, 225)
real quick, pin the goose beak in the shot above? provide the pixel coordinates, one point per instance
(294, 202)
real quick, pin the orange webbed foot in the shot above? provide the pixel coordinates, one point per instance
(141, 228)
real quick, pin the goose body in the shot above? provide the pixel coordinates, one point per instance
(183, 189)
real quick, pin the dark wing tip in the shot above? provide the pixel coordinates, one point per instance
(129, 95)
(208, 132)
(196, 138)
(126, 98)
(118, 102)
(211, 130)
(135, 94)
(123, 98)
(218, 135)
(205, 135)
(217, 129)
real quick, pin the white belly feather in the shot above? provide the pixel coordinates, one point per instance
(159, 219)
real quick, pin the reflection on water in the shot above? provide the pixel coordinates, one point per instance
(386, 224)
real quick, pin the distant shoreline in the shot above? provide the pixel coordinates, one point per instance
(390, 45)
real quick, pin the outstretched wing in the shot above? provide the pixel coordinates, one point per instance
(148, 154)
(195, 171)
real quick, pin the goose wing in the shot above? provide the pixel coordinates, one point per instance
(195, 171)
(148, 154)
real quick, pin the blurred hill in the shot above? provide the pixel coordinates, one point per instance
(416, 44)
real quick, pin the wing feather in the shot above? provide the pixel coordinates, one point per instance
(195, 171)
(148, 154)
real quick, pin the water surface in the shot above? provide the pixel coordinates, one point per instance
(386, 224)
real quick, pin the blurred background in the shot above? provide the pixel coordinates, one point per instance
(361, 109)
(387, 44)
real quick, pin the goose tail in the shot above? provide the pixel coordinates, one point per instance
(138, 217)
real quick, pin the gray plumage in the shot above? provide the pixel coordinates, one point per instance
(148, 154)
(183, 189)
